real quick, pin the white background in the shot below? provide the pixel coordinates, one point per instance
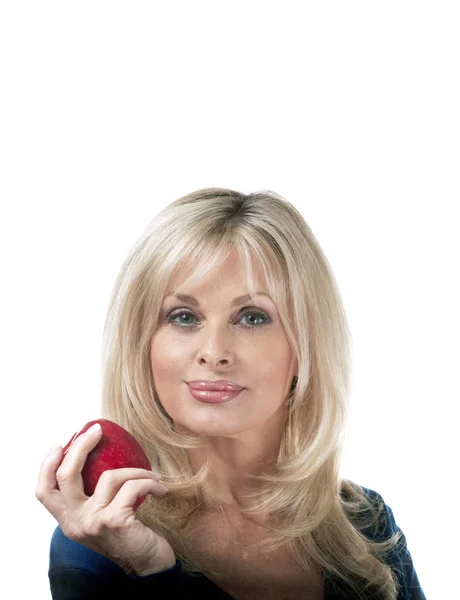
(350, 110)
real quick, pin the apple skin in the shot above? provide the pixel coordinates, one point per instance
(117, 449)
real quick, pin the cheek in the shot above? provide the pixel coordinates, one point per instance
(272, 361)
(165, 357)
(161, 363)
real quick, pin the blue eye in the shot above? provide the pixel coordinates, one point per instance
(254, 312)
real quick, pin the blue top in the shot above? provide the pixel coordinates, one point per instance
(76, 572)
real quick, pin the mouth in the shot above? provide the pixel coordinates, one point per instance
(214, 396)
(215, 386)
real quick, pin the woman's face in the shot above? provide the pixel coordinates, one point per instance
(214, 340)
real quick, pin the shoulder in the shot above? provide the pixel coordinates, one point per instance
(65, 553)
(369, 510)
(378, 524)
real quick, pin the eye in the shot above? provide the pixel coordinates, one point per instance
(252, 312)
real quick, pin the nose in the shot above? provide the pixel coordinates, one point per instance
(215, 348)
(215, 362)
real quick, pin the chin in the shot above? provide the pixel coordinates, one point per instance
(209, 428)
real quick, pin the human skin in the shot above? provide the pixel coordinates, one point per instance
(211, 342)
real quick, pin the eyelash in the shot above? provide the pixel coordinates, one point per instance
(253, 311)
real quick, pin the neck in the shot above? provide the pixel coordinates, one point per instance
(234, 459)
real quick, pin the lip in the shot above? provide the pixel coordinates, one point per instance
(213, 396)
(218, 386)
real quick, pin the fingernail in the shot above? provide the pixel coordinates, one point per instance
(53, 449)
(94, 428)
(163, 487)
(156, 474)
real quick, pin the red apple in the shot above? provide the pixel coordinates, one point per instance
(117, 449)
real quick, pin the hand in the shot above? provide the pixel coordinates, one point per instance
(104, 522)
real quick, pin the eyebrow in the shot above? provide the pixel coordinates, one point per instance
(194, 302)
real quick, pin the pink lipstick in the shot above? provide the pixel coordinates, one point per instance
(214, 392)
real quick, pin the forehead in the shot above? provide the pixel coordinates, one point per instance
(192, 273)
(235, 302)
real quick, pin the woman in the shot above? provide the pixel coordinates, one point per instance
(228, 291)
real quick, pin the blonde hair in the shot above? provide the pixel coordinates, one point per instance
(322, 517)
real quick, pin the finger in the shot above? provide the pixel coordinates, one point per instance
(110, 483)
(68, 475)
(46, 490)
(131, 490)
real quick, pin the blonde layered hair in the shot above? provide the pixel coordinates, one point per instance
(319, 516)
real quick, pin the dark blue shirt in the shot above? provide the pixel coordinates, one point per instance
(76, 572)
